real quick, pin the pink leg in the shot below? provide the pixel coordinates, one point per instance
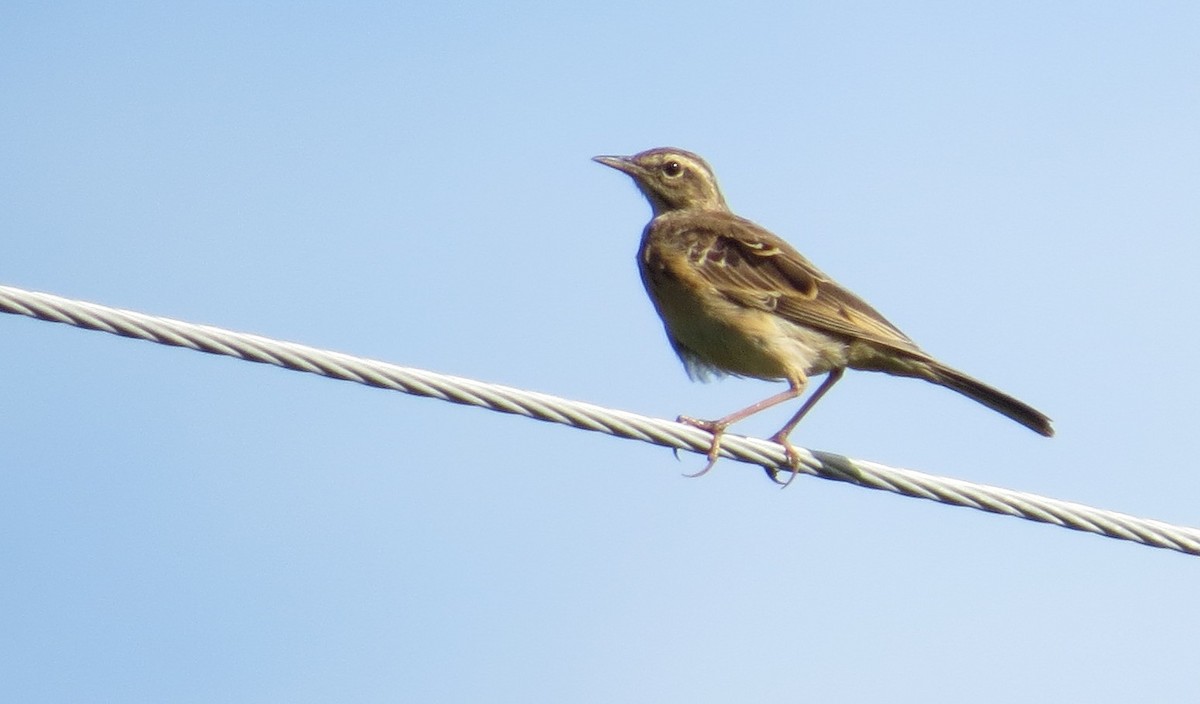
(782, 435)
(717, 427)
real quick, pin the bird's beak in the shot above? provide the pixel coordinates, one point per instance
(624, 164)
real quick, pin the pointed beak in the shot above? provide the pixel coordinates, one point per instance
(624, 164)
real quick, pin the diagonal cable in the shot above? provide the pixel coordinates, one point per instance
(290, 355)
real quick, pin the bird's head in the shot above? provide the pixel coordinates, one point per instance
(671, 179)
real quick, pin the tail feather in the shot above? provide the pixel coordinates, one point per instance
(994, 399)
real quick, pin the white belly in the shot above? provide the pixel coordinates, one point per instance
(717, 335)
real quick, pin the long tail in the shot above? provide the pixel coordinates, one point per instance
(994, 399)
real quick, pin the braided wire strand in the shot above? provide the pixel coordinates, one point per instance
(337, 365)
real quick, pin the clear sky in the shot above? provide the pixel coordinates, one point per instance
(1013, 184)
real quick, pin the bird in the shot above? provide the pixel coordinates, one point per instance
(736, 299)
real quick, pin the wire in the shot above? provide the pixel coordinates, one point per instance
(336, 365)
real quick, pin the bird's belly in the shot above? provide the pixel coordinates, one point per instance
(721, 335)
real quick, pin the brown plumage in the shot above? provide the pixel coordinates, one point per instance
(736, 299)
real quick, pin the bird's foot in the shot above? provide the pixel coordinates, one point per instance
(714, 449)
(793, 460)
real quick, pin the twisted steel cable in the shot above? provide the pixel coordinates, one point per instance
(549, 408)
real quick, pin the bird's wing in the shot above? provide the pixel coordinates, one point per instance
(754, 268)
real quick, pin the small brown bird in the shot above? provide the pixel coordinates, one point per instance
(736, 299)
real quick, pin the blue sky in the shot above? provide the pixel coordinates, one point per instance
(1014, 185)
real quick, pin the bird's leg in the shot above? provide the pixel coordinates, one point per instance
(717, 427)
(781, 437)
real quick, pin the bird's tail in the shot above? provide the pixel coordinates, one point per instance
(994, 399)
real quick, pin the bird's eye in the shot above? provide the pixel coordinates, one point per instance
(672, 169)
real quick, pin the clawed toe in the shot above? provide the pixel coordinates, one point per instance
(793, 460)
(714, 449)
(711, 426)
(717, 429)
(712, 461)
(773, 475)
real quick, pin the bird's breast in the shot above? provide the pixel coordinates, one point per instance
(710, 330)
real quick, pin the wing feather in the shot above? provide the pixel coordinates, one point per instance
(754, 268)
